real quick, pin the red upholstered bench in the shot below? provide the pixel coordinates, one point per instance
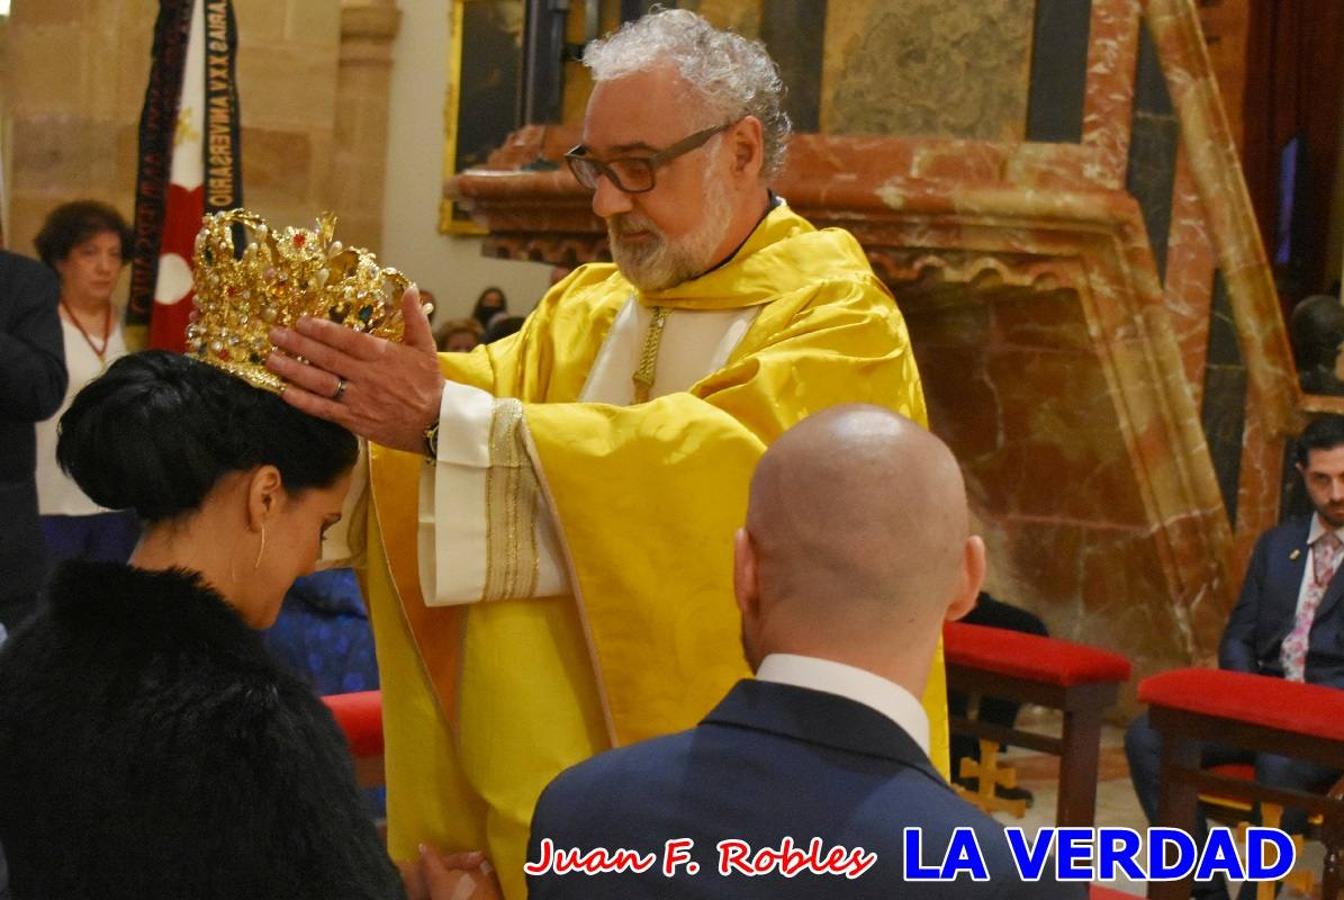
(1258, 713)
(360, 716)
(1078, 680)
(1097, 892)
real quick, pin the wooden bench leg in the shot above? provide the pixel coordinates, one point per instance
(1177, 805)
(1077, 805)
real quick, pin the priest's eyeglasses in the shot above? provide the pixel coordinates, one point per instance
(633, 174)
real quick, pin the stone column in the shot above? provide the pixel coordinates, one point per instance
(368, 28)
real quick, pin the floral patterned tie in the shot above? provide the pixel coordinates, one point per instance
(1325, 558)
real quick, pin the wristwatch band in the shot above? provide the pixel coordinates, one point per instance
(432, 440)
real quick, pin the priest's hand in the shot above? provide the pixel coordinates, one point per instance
(380, 390)
(450, 876)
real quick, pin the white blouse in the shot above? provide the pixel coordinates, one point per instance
(57, 493)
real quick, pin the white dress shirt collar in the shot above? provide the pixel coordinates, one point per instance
(859, 685)
(1318, 528)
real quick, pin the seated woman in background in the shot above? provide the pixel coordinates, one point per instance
(151, 748)
(87, 243)
(458, 335)
(490, 305)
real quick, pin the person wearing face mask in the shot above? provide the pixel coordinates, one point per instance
(87, 243)
(548, 552)
(490, 305)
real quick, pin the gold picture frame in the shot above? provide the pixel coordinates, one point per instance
(480, 107)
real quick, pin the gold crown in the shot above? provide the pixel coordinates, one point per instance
(279, 277)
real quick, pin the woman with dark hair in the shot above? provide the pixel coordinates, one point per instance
(151, 747)
(489, 305)
(87, 243)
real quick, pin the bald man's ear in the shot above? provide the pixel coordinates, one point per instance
(971, 578)
(746, 575)
(747, 142)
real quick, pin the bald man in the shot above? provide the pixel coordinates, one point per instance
(856, 549)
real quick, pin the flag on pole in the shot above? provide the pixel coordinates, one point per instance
(190, 161)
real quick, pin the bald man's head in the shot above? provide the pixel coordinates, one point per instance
(858, 532)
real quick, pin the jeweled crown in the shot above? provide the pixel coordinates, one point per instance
(279, 277)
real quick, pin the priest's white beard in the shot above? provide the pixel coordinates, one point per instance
(658, 264)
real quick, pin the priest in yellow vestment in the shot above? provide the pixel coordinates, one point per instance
(550, 545)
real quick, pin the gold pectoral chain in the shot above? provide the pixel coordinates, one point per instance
(648, 360)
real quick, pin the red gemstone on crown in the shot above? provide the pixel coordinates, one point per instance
(300, 239)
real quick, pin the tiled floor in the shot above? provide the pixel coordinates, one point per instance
(1116, 803)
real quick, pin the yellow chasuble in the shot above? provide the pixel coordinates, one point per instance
(484, 703)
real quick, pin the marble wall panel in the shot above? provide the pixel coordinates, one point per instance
(1113, 49)
(1263, 471)
(1223, 410)
(1060, 48)
(1053, 401)
(1150, 173)
(1188, 287)
(1226, 25)
(1127, 606)
(1040, 320)
(1209, 143)
(1117, 597)
(928, 68)
(1067, 457)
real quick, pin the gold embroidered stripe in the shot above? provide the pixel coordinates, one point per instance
(648, 360)
(511, 497)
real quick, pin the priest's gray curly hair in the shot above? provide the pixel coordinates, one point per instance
(736, 76)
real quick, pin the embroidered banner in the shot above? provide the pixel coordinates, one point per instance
(190, 160)
(223, 161)
(158, 122)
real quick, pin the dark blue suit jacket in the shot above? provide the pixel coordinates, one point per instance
(770, 761)
(1267, 606)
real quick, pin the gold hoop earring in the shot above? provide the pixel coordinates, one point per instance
(260, 550)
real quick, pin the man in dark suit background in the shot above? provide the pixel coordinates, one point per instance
(32, 385)
(1288, 623)
(855, 550)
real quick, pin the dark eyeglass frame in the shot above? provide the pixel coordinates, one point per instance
(588, 169)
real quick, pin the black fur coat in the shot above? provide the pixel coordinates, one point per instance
(149, 748)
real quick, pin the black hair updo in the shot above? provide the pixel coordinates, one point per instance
(157, 431)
